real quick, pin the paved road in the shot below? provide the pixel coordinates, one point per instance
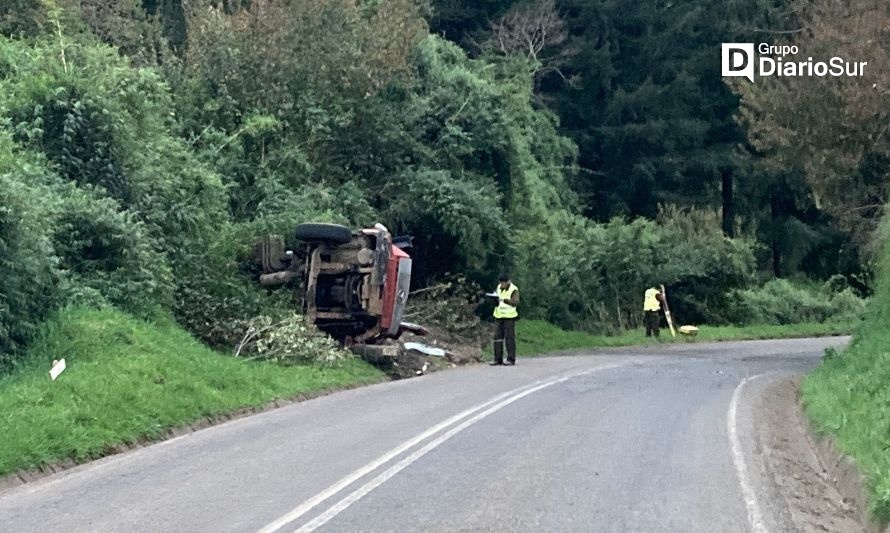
(653, 439)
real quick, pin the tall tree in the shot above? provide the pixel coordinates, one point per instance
(652, 118)
(833, 130)
(535, 31)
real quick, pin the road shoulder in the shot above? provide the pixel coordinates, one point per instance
(792, 466)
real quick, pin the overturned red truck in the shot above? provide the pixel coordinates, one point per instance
(353, 284)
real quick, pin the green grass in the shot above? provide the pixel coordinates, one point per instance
(536, 337)
(771, 331)
(129, 380)
(849, 396)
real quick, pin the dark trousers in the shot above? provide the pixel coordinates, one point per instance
(505, 333)
(652, 319)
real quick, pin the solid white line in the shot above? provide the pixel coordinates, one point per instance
(351, 478)
(755, 517)
(382, 478)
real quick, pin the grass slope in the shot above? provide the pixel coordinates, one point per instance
(129, 380)
(849, 396)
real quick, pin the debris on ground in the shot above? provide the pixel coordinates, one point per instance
(375, 353)
(425, 349)
(57, 368)
(688, 330)
(408, 357)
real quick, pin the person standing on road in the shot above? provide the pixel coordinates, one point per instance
(505, 315)
(652, 311)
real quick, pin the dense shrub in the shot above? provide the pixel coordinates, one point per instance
(60, 244)
(107, 257)
(109, 127)
(121, 203)
(28, 274)
(216, 306)
(218, 295)
(590, 275)
(781, 301)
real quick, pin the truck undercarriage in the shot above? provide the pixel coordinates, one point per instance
(352, 284)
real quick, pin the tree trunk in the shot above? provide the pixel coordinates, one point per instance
(776, 215)
(728, 203)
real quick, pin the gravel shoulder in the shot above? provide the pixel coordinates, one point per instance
(786, 458)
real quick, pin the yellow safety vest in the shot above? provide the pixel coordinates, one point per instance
(504, 309)
(651, 303)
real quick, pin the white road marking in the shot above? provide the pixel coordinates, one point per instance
(755, 517)
(351, 478)
(504, 399)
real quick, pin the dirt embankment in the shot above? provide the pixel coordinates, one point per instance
(822, 488)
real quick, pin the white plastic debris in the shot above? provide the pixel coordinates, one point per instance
(58, 367)
(425, 349)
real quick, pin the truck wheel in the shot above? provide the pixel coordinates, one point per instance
(323, 232)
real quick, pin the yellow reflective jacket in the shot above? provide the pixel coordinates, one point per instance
(650, 302)
(504, 309)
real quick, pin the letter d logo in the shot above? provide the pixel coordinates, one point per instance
(738, 60)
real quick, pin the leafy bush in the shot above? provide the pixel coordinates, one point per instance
(108, 127)
(134, 208)
(288, 340)
(107, 257)
(60, 244)
(781, 301)
(457, 224)
(28, 273)
(215, 306)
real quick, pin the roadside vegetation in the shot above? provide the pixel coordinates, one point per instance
(848, 396)
(129, 381)
(146, 146)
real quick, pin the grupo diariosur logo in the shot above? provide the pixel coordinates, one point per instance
(740, 60)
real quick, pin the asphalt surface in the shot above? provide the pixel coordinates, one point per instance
(650, 439)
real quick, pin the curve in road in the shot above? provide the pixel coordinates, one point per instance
(648, 439)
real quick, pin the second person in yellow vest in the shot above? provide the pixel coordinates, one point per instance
(652, 311)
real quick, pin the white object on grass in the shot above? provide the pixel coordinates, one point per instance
(58, 367)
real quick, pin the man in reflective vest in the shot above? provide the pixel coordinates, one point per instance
(651, 310)
(505, 315)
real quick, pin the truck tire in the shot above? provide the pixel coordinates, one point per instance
(323, 232)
